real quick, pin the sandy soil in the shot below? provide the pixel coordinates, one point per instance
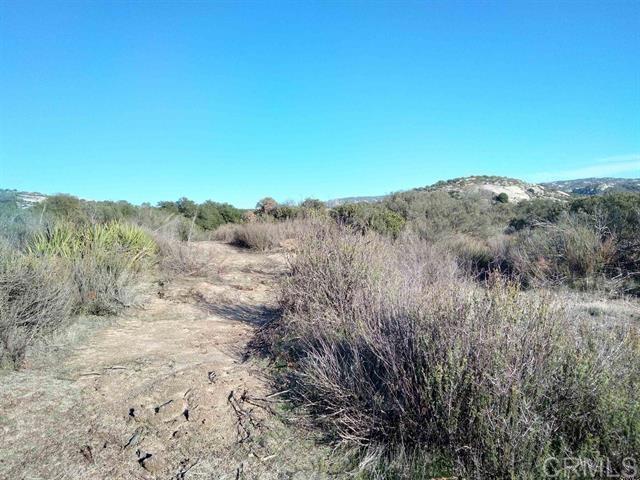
(163, 392)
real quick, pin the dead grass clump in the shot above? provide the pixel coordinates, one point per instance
(262, 236)
(258, 236)
(183, 258)
(391, 349)
(105, 282)
(36, 297)
(225, 233)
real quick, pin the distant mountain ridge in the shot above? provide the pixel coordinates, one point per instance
(595, 186)
(517, 190)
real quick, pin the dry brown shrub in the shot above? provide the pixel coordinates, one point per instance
(392, 348)
(263, 236)
(183, 258)
(36, 297)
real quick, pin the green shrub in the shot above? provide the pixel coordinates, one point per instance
(108, 211)
(207, 216)
(313, 204)
(130, 242)
(502, 198)
(65, 208)
(438, 214)
(536, 212)
(364, 217)
(285, 212)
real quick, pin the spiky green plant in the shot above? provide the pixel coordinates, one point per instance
(128, 239)
(64, 240)
(61, 240)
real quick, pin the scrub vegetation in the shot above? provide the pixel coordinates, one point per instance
(429, 334)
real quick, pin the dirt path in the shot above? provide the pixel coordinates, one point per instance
(163, 392)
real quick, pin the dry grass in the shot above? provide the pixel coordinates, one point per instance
(393, 349)
(183, 258)
(225, 233)
(261, 236)
(570, 252)
(36, 297)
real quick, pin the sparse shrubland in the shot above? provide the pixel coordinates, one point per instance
(429, 333)
(261, 236)
(61, 269)
(393, 349)
(66, 256)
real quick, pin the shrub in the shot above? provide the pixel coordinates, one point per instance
(105, 282)
(620, 214)
(390, 351)
(64, 208)
(477, 257)
(18, 226)
(132, 243)
(266, 206)
(264, 236)
(536, 212)
(211, 215)
(571, 251)
(36, 296)
(257, 236)
(108, 211)
(225, 233)
(104, 261)
(207, 216)
(285, 212)
(434, 215)
(313, 204)
(363, 217)
(181, 258)
(502, 198)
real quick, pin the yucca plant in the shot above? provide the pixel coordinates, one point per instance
(64, 240)
(60, 240)
(130, 240)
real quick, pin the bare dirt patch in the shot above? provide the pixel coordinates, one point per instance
(162, 392)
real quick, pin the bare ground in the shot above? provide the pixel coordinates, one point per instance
(162, 392)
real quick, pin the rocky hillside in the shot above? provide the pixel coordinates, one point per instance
(20, 199)
(595, 186)
(516, 190)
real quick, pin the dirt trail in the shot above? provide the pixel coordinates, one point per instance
(163, 392)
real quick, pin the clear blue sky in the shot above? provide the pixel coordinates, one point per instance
(234, 101)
